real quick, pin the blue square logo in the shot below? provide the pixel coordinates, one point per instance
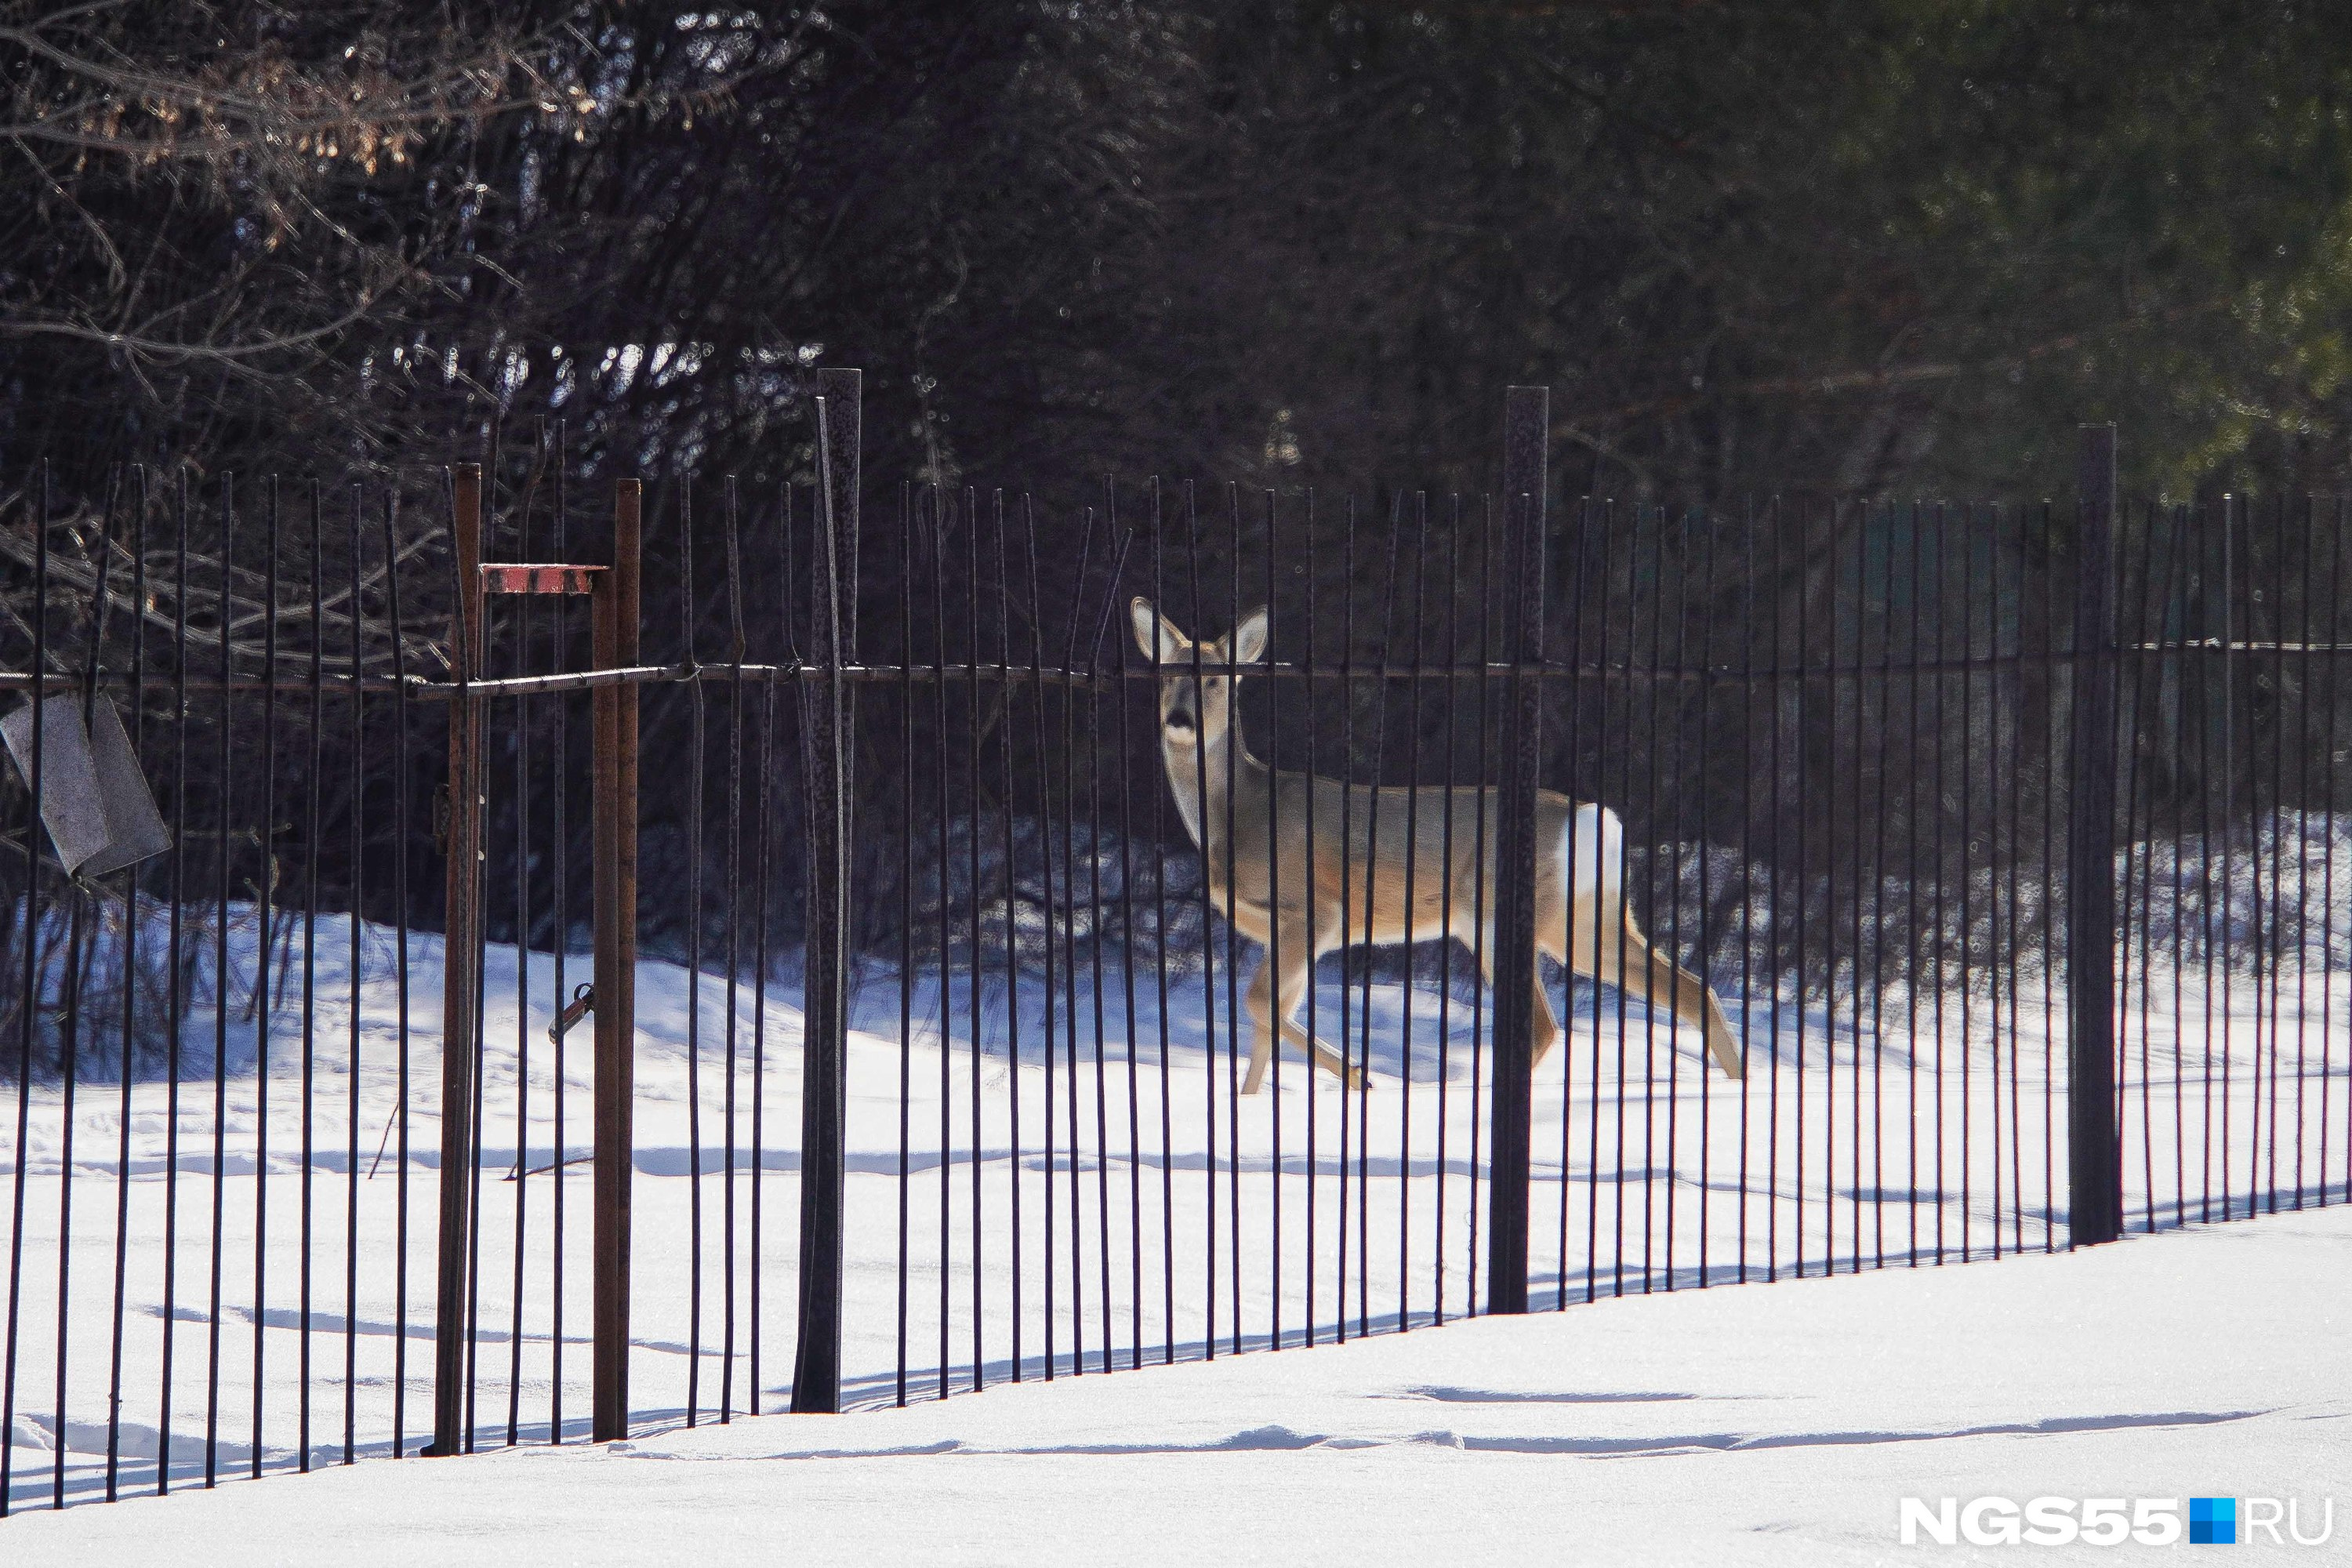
(2213, 1522)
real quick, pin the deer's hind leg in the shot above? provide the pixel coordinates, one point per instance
(1641, 969)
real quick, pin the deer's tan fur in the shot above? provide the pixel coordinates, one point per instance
(1250, 825)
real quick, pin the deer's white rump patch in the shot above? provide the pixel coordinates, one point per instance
(1592, 855)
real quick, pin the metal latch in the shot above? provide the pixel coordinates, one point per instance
(584, 1002)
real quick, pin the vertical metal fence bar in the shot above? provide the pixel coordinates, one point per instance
(826, 739)
(940, 510)
(2257, 959)
(1885, 684)
(733, 539)
(906, 696)
(1380, 687)
(1776, 526)
(1526, 432)
(2276, 947)
(1611, 934)
(1747, 624)
(311, 856)
(1651, 725)
(267, 884)
(402, 833)
(460, 959)
(1347, 793)
(614, 800)
(2334, 741)
(220, 992)
(36, 783)
(2303, 833)
(2140, 792)
(520, 773)
(175, 1009)
(972, 869)
(2176, 631)
(1932, 587)
(1804, 810)
(1450, 697)
(1490, 536)
(1663, 834)
(1070, 946)
(131, 920)
(1094, 690)
(2095, 1194)
(1277, 1014)
(2016, 775)
(1864, 899)
(1208, 913)
(696, 741)
(1159, 651)
(81, 905)
(559, 643)
(1574, 874)
(1314, 916)
(1703, 781)
(1126, 981)
(2226, 677)
(1233, 869)
(1968, 682)
(1012, 923)
(1831, 677)
(2050, 924)
(1410, 912)
(788, 652)
(1042, 756)
(1939, 931)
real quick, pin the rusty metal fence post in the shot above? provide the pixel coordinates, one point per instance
(613, 983)
(827, 723)
(2095, 1155)
(461, 963)
(1527, 419)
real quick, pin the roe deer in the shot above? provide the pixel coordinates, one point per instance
(1244, 816)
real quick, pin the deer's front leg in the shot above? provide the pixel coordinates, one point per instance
(1298, 972)
(1262, 1031)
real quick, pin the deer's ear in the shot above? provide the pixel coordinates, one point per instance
(1249, 638)
(1150, 623)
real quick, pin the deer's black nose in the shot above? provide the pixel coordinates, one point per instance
(1180, 721)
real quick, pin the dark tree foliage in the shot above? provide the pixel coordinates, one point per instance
(1857, 246)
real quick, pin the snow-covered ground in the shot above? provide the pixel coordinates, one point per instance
(1176, 1230)
(1745, 1425)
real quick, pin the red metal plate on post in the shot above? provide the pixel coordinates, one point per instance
(501, 577)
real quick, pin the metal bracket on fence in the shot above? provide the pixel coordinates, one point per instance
(583, 1003)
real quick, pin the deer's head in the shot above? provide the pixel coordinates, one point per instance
(1196, 709)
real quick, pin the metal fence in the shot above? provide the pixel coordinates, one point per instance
(1988, 857)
